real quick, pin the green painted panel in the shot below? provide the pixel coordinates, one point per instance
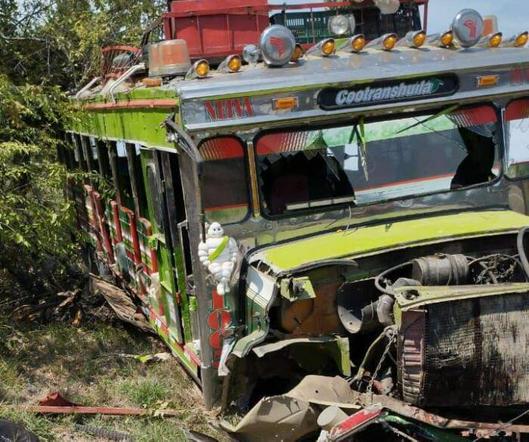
(144, 126)
(139, 125)
(357, 241)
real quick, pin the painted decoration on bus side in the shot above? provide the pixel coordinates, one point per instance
(229, 108)
(387, 92)
(219, 254)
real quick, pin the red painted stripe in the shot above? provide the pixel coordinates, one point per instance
(162, 103)
(227, 206)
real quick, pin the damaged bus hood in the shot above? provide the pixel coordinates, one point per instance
(365, 240)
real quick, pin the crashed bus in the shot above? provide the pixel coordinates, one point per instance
(332, 241)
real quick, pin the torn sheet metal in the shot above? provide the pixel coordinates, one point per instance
(292, 415)
(336, 347)
(386, 423)
(409, 411)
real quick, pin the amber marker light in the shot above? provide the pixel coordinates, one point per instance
(202, 68)
(358, 42)
(487, 80)
(285, 103)
(419, 39)
(447, 39)
(297, 54)
(234, 63)
(389, 41)
(495, 40)
(521, 39)
(328, 47)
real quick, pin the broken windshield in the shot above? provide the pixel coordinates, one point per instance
(368, 162)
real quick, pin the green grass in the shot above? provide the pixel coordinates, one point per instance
(85, 365)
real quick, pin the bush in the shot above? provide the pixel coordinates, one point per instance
(36, 221)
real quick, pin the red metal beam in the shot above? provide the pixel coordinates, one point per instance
(166, 103)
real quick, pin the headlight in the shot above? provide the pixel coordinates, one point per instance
(339, 25)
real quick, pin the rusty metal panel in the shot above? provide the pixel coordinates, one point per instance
(474, 353)
(411, 354)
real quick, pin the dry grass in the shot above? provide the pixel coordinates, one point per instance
(85, 366)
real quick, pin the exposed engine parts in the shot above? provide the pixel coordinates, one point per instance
(443, 269)
(424, 324)
(440, 270)
(363, 308)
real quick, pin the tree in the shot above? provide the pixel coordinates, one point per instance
(35, 219)
(58, 41)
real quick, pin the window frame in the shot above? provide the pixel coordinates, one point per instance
(247, 175)
(323, 209)
(506, 145)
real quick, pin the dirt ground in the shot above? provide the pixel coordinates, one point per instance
(87, 364)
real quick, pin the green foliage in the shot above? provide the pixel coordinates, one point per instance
(59, 41)
(35, 219)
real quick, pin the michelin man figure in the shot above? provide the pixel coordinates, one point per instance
(219, 253)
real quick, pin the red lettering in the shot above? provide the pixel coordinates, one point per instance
(248, 106)
(228, 109)
(220, 110)
(210, 109)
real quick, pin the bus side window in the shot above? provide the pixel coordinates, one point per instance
(87, 153)
(517, 138)
(156, 195)
(120, 173)
(79, 155)
(94, 156)
(137, 185)
(104, 160)
(224, 180)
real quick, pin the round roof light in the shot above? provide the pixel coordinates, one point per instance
(447, 39)
(251, 54)
(328, 47)
(234, 63)
(389, 41)
(358, 42)
(468, 27)
(495, 40)
(418, 39)
(200, 69)
(338, 25)
(231, 64)
(521, 39)
(277, 45)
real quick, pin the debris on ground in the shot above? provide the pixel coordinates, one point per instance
(64, 306)
(55, 403)
(158, 357)
(120, 301)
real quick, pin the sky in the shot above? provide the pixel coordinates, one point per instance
(513, 15)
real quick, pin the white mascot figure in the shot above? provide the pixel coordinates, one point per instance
(219, 253)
